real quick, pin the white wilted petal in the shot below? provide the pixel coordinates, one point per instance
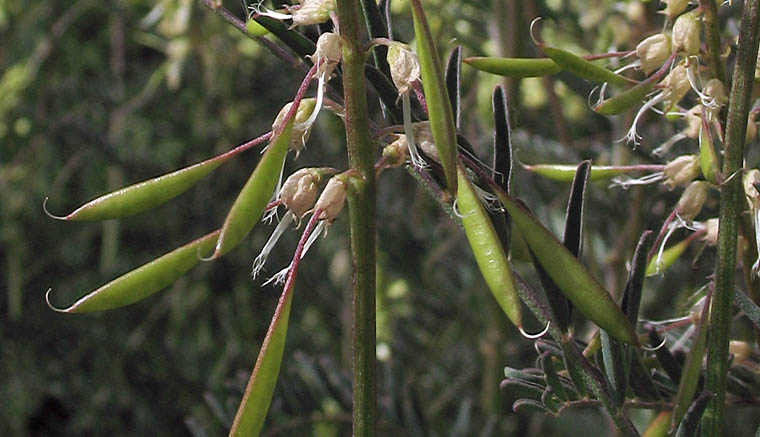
(711, 232)
(424, 137)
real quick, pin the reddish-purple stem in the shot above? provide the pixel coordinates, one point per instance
(247, 145)
(416, 86)
(296, 101)
(662, 233)
(299, 249)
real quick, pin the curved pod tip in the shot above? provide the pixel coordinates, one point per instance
(53, 307)
(51, 215)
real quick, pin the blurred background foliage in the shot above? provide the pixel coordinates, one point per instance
(97, 95)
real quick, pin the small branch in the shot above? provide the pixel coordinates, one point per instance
(712, 35)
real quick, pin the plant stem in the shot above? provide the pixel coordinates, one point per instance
(731, 200)
(362, 212)
(712, 35)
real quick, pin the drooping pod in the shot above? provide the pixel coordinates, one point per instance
(253, 198)
(514, 67)
(144, 280)
(145, 195)
(487, 248)
(566, 173)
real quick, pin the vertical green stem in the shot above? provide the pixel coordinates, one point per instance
(731, 199)
(712, 37)
(362, 212)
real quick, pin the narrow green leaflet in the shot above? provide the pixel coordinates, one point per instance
(692, 369)
(514, 67)
(145, 195)
(568, 273)
(487, 248)
(253, 198)
(258, 393)
(438, 103)
(144, 280)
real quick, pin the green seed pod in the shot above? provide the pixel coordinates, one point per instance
(144, 280)
(515, 67)
(566, 172)
(253, 198)
(708, 159)
(255, 29)
(568, 273)
(583, 68)
(487, 249)
(145, 195)
(660, 263)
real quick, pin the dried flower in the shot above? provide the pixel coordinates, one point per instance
(740, 350)
(673, 8)
(682, 170)
(711, 232)
(299, 191)
(676, 85)
(328, 53)
(313, 12)
(653, 51)
(686, 33)
(395, 152)
(332, 199)
(692, 200)
(405, 68)
(301, 129)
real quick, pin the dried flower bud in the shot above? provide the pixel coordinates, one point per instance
(331, 200)
(693, 122)
(423, 135)
(714, 89)
(313, 12)
(711, 232)
(405, 69)
(653, 51)
(329, 51)
(749, 180)
(676, 85)
(673, 8)
(751, 128)
(395, 152)
(686, 34)
(299, 191)
(692, 200)
(681, 170)
(299, 136)
(740, 350)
